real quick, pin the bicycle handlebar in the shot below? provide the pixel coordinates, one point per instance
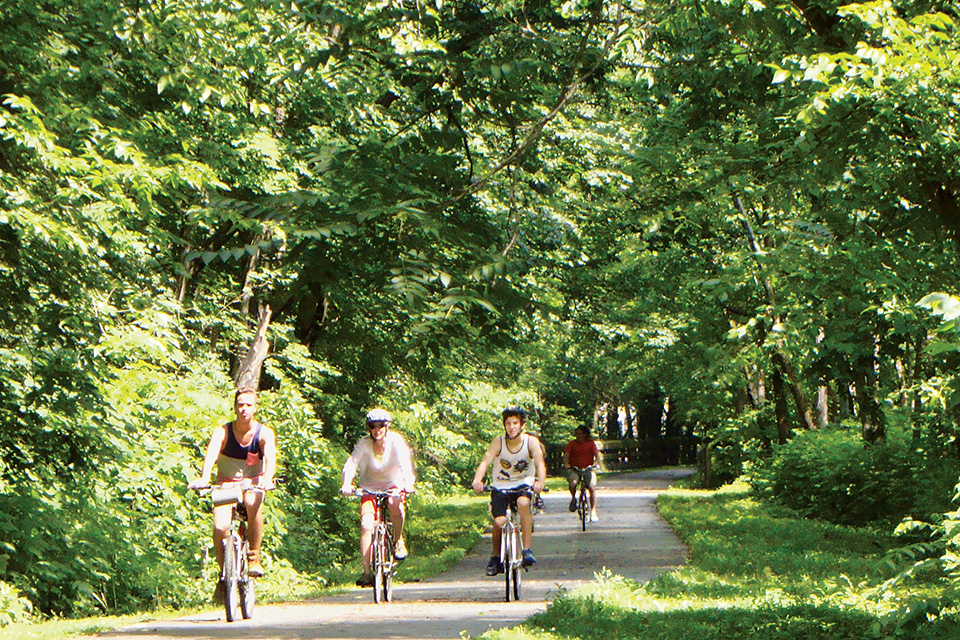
(393, 493)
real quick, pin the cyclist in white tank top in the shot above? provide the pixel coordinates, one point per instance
(512, 469)
(519, 463)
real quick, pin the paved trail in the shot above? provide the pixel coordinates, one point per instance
(630, 540)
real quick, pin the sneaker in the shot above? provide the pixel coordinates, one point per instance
(218, 593)
(494, 566)
(573, 505)
(528, 559)
(400, 551)
(254, 568)
(594, 518)
(365, 580)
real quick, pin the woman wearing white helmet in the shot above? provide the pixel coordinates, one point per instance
(381, 461)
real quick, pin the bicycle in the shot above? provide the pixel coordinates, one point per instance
(511, 544)
(237, 584)
(583, 496)
(382, 544)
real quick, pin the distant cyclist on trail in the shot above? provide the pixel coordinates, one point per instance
(241, 449)
(517, 460)
(381, 461)
(580, 453)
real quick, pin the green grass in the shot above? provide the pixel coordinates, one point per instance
(439, 532)
(754, 573)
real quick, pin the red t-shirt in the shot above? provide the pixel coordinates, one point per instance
(582, 454)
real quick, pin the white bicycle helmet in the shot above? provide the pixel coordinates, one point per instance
(378, 415)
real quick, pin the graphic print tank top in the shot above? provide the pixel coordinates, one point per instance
(512, 470)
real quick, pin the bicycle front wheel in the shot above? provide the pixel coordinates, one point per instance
(584, 508)
(388, 564)
(245, 585)
(229, 578)
(510, 556)
(377, 564)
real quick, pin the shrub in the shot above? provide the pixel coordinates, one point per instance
(831, 475)
(13, 606)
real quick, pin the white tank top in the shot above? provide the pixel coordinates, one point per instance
(512, 470)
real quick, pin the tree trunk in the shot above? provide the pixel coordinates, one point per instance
(823, 414)
(248, 374)
(780, 407)
(803, 407)
(873, 424)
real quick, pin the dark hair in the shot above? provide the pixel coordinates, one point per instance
(243, 390)
(514, 411)
(584, 429)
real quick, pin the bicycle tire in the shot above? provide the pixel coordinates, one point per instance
(231, 594)
(584, 508)
(517, 571)
(388, 564)
(245, 585)
(505, 537)
(377, 564)
(517, 566)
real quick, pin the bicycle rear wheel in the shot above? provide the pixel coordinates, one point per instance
(245, 586)
(505, 537)
(583, 507)
(517, 565)
(231, 596)
(388, 564)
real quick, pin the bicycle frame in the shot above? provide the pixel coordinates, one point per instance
(238, 586)
(583, 497)
(511, 543)
(382, 544)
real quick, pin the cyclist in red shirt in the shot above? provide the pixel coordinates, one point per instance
(581, 453)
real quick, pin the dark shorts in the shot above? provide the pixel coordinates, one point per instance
(500, 500)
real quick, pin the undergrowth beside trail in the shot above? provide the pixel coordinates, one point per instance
(439, 532)
(754, 573)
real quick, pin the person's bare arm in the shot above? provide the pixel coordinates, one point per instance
(268, 444)
(350, 471)
(488, 457)
(406, 467)
(210, 459)
(539, 465)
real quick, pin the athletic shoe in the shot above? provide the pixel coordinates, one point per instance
(365, 580)
(573, 505)
(494, 566)
(528, 559)
(594, 518)
(254, 568)
(400, 551)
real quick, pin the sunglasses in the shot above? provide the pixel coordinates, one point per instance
(373, 426)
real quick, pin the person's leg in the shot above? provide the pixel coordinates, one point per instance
(572, 479)
(253, 500)
(592, 490)
(367, 521)
(498, 523)
(221, 526)
(526, 521)
(397, 515)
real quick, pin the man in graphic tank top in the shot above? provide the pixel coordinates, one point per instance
(516, 461)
